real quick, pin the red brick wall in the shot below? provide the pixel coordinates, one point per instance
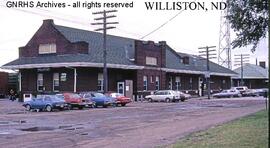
(29, 80)
(217, 82)
(48, 34)
(3, 82)
(144, 49)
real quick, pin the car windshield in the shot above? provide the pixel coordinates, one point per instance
(224, 91)
(59, 96)
(98, 95)
(118, 95)
(159, 93)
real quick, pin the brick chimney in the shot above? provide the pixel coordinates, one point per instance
(262, 64)
(48, 22)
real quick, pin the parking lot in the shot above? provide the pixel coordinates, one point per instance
(139, 124)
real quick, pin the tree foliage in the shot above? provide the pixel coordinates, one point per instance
(249, 19)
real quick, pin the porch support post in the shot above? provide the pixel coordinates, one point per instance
(75, 80)
(20, 81)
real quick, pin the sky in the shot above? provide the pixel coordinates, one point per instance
(187, 32)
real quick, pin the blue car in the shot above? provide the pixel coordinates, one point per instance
(99, 99)
(45, 102)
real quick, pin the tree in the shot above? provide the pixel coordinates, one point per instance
(249, 19)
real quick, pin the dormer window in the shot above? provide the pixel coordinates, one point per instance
(151, 61)
(185, 60)
(47, 48)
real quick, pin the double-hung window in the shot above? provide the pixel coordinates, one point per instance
(145, 83)
(47, 48)
(157, 82)
(40, 85)
(177, 83)
(100, 82)
(56, 82)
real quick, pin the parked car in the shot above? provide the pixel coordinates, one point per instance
(99, 99)
(120, 99)
(260, 92)
(163, 95)
(250, 93)
(183, 96)
(75, 100)
(228, 93)
(45, 102)
(241, 89)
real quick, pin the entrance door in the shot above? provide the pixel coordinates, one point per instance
(121, 88)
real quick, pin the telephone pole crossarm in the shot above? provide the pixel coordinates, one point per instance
(104, 28)
(206, 52)
(241, 59)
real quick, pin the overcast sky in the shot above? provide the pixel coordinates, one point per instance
(185, 33)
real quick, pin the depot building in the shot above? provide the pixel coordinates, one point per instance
(64, 59)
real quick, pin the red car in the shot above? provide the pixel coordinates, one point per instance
(120, 99)
(75, 100)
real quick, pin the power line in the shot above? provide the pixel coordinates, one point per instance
(162, 25)
(61, 17)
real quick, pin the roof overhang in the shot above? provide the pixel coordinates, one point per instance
(197, 72)
(249, 78)
(181, 71)
(71, 64)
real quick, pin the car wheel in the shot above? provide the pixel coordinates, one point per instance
(28, 107)
(150, 100)
(105, 106)
(48, 108)
(167, 100)
(182, 99)
(123, 104)
(70, 107)
(80, 107)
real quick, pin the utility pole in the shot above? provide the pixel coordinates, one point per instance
(104, 28)
(241, 59)
(207, 54)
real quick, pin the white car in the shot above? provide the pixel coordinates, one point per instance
(183, 96)
(163, 95)
(228, 93)
(242, 89)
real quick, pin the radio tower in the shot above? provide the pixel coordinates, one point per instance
(224, 51)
